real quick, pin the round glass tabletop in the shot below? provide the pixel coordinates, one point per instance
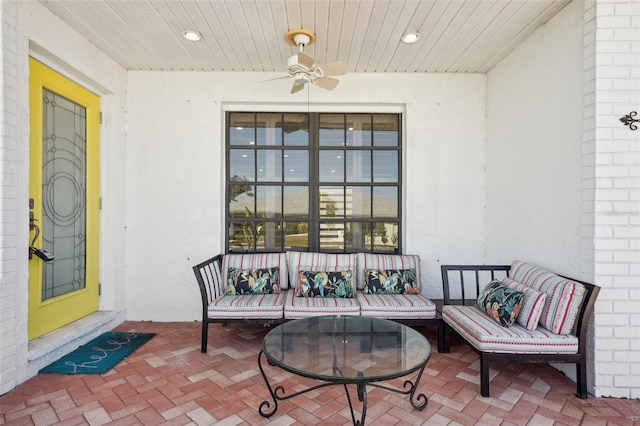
(346, 349)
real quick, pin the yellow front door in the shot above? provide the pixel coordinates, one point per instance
(64, 200)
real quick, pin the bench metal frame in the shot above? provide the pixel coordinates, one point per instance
(580, 328)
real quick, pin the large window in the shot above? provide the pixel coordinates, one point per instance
(318, 181)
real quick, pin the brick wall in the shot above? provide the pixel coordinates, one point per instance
(611, 182)
(8, 199)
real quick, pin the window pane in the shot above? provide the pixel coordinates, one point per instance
(241, 128)
(385, 201)
(241, 164)
(385, 129)
(331, 201)
(241, 201)
(331, 130)
(331, 236)
(358, 166)
(385, 237)
(358, 129)
(296, 235)
(358, 200)
(269, 165)
(296, 201)
(296, 129)
(268, 201)
(385, 166)
(331, 166)
(269, 236)
(296, 166)
(241, 236)
(269, 128)
(358, 236)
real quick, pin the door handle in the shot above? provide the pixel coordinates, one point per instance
(41, 253)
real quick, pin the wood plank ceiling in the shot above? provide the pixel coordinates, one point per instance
(457, 36)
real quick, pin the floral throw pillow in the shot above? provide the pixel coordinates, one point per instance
(252, 281)
(324, 284)
(390, 281)
(500, 302)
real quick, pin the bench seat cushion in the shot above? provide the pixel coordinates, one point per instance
(395, 306)
(303, 307)
(487, 335)
(256, 306)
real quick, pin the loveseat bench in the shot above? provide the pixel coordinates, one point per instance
(547, 323)
(271, 288)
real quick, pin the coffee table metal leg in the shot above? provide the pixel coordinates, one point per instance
(362, 396)
(265, 406)
(417, 401)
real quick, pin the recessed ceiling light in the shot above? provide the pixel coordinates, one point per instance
(191, 35)
(411, 37)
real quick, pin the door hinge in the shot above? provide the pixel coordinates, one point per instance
(100, 117)
(100, 203)
(99, 289)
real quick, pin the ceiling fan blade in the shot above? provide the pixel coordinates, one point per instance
(305, 60)
(333, 68)
(297, 87)
(277, 78)
(326, 82)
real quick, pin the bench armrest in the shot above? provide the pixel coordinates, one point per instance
(210, 281)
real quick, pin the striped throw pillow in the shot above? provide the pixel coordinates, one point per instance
(564, 296)
(532, 304)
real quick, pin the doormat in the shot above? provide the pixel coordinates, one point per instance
(99, 355)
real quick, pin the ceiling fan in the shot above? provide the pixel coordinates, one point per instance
(301, 66)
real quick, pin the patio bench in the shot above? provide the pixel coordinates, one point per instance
(550, 324)
(295, 284)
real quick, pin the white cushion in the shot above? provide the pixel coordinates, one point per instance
(395, 306)
(487, 335)
(257, 306)
(563, 296)
(302, 307)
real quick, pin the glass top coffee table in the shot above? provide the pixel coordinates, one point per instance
(342, 350)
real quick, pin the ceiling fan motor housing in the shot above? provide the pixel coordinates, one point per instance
(295, 66)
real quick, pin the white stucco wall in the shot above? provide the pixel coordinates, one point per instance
(175, 174)
(534, 148)
(534, 151)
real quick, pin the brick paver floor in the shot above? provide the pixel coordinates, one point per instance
(168, 381)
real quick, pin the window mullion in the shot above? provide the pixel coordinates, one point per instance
(314, 185)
